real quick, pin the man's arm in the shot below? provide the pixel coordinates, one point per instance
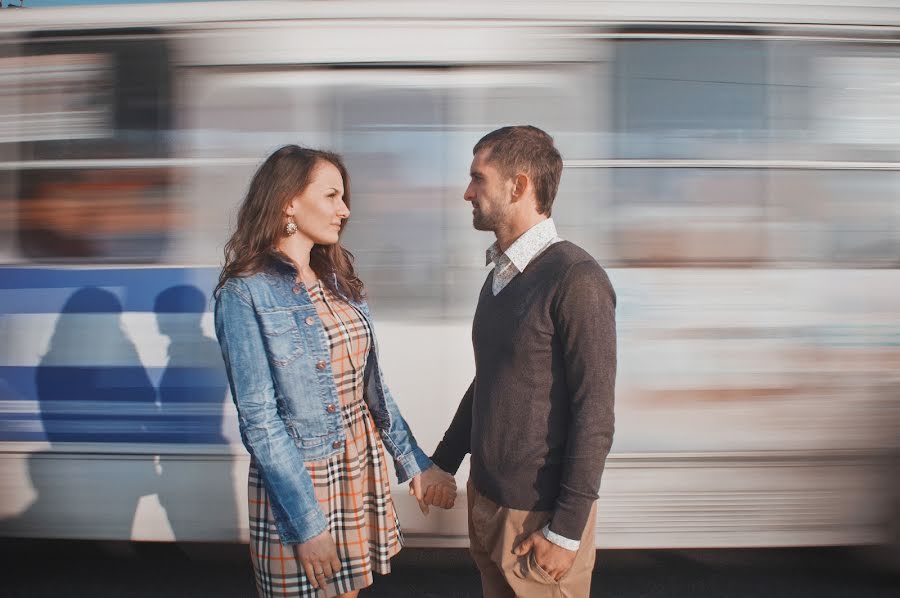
(585, 317)
(457, 439)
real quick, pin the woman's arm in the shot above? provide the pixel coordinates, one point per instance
(289, 486)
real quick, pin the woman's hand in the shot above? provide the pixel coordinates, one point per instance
(319, 558)
(434, 486)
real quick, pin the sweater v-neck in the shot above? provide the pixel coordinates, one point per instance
(489, 283)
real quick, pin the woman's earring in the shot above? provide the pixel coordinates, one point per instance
(291, 227)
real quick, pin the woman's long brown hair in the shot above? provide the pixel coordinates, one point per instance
(260, 224)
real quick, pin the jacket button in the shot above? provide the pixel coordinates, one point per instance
(320, 365)
(296, 289)
(336, 444)
(331, 409)
(309, 321)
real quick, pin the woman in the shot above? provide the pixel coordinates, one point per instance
(314, 411)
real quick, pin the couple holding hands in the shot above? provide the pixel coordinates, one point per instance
(316, 415)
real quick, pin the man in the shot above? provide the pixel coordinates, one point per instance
(538, 417)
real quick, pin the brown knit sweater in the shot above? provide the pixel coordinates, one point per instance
(538, 417)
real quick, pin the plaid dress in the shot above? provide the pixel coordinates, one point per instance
(352, 487)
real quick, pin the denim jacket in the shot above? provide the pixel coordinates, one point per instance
(278, 362)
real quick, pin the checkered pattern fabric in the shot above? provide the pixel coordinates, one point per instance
(352, 487)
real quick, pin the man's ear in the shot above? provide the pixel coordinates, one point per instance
(520, 186)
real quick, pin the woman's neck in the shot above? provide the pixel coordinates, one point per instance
(298, 250)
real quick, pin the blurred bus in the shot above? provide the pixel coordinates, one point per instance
(735, 167)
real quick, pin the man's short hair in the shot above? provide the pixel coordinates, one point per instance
(527, 149)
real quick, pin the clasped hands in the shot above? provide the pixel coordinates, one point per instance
(434, 486)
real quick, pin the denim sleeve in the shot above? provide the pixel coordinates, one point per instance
(288, 484)
(409, 459)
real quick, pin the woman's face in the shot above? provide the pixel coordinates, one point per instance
(319, 210)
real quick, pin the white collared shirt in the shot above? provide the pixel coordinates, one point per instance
(513, 261)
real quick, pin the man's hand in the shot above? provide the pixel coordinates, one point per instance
(319, 558)
(554, 560)
(435, 487)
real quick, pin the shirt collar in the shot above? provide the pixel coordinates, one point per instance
(523, 249)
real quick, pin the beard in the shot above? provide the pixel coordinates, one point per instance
(481, 222)
(484, 222)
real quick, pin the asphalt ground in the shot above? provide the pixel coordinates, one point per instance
(48, 568)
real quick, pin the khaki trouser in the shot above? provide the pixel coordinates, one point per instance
(494, 532)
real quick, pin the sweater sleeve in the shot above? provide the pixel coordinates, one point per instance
(584, 312)
(456, 443)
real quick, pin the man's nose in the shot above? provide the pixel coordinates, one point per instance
(469, 195)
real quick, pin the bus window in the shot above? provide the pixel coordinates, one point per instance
(842, 218)
(837, 103)
(233, 121)
(692, 100)
(688, 216)
(390, 136)
(94, 142)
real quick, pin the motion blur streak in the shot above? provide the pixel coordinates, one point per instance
(735, 167)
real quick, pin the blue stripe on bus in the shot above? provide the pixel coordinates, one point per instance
(186, 408)
(149, 436)
(51, 290)
(77, 381)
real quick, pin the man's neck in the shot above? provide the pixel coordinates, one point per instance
(507, 235)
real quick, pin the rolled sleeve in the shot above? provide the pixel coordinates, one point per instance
(561, 541)
(411, 464)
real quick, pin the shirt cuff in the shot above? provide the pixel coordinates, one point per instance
(561, 541)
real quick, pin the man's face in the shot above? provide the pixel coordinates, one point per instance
(490, 193)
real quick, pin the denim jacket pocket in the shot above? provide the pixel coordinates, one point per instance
(306, 440)
(312, 448)
(283, 343)
(314, 441)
